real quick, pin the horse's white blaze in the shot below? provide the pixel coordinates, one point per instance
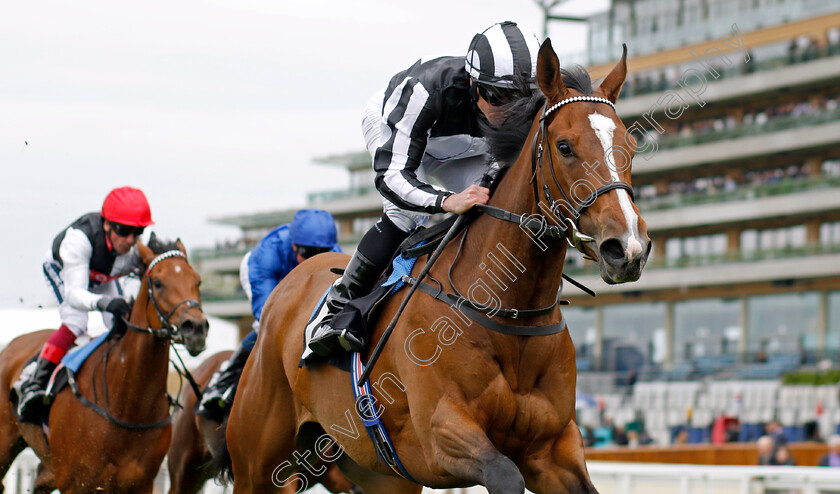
(177, 269)
(604, 128)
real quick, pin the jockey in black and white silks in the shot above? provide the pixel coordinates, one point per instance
(425, 125)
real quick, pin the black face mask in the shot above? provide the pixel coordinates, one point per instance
(307, 251)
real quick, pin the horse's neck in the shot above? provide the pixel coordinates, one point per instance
(502, 256)
(138, 366)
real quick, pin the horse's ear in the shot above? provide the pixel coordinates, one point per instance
(548, 73)
(611, 86)
(146, 254)
(181, 247)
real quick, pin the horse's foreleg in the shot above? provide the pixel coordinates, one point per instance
(45, 482)
(188, 458)
(261, 450)
(186, 473)
(335, 481)
(368, 482)
(559, 466)
(463, 449)
(11, 442)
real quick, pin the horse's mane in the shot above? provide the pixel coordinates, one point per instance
(160, 246)
(507, 140)
(577, 78)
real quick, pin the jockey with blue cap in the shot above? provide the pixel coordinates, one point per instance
(311, 232)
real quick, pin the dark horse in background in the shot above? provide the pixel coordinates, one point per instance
(125, 376)
(195, 439)
(463, 404)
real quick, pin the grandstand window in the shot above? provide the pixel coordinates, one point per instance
(830, 233)
(831, 168)
(783, 324)
(706, 327)
(633, 335)
(363, 224)
(774, 239)
(701, 246)
(832, 338)
(360, 179)
(582, 323)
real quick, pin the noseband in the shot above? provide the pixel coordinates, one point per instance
(540, 145)
(167, 329)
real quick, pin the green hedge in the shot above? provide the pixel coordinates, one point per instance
(831, 376)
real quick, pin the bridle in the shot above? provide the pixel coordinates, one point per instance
(167, 329)
(539, 222)
(534, 222)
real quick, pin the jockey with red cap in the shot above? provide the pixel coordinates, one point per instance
(82, 268)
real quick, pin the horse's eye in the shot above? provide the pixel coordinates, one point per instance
(157, 284)
(564, 148)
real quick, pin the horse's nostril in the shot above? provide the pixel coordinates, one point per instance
(612, 251)
(194, 326)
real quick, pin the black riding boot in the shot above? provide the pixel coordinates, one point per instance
(33, 392)
(375, 251)
(219, 393)
(357, 280)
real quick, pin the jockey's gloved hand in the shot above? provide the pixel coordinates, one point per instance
(115, 305)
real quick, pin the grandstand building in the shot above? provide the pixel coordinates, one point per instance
(737, 173)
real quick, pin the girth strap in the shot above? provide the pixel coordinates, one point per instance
(71, 380)
(462, 306)
(365, 407)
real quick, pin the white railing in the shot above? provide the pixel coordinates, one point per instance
(608, 477)
(654, 478)
(22, 473)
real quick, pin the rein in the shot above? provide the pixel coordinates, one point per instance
(168, 331)
(533, 222)
(539, 224)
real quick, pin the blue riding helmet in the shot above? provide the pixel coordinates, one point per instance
(313, 227)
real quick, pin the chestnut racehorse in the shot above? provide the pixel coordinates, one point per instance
(125, 377)
(195, 439)
(465, 404)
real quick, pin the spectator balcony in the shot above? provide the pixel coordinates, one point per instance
(739, 82)
(801, 136)
(810, 262)
(788, 198)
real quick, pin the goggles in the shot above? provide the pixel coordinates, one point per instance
(497, 96)
(126, 230)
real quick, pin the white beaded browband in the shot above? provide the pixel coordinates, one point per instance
(165, 255)
(573, 99)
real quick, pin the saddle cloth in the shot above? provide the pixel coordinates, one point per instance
(358, 315)
(72, 361)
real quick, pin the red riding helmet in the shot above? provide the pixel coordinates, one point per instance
(128, 206)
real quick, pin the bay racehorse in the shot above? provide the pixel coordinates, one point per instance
(195, 439)
(119, 447)
(464, 404)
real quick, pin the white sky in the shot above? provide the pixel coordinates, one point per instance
(211, 107)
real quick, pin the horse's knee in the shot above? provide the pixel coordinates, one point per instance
(501, 476)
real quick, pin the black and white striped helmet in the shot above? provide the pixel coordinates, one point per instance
(501, 51)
